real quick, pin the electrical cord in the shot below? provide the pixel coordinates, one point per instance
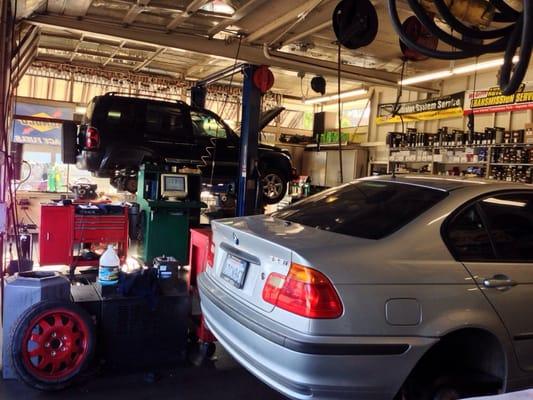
(519, 33)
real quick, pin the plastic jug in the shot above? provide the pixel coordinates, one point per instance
(108, 272)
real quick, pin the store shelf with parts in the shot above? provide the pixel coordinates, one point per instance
(61, 229)
(487, 149)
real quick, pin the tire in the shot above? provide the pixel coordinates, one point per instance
(69, 138)
(51, 344)
(274, 186)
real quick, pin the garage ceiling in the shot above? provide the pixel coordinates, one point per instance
(192, 39)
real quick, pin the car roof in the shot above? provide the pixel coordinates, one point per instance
(449, 183)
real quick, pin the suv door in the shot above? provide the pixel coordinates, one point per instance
(215, 141)
(494, 240)
(167, 131)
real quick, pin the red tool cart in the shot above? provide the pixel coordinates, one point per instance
(65, 228)
(200, 254)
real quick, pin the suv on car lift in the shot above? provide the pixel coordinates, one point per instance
(119, 133)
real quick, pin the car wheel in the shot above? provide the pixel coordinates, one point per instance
(131, 184)
(51, 344)
(274, 186)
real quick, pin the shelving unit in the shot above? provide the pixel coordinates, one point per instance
(488, 167)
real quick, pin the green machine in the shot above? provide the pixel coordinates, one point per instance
(169, 202)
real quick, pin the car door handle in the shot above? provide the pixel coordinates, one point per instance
(499, 282)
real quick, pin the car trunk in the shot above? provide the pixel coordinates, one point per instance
(270, 245)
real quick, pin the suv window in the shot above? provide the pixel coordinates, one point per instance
(468, 238)
(164, 122)
(367, 209)
(206, 125)
(510, 223)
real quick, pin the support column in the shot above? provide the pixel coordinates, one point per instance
(198, 96)
(249, 196)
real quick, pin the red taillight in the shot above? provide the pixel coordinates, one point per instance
(304, 291)
(92, 138)
(210, 256)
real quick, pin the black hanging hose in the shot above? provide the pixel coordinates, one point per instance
(518, 34)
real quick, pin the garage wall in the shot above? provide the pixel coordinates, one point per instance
(508, 120)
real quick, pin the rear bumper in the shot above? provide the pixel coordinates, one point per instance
(308, 367)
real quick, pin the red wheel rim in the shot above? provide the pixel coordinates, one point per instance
(55, 344)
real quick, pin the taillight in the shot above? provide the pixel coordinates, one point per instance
(304, 291)
(210, 256)
(92, 138)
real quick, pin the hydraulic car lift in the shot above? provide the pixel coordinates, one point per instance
(248, 183)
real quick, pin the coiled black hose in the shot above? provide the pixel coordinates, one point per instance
(519, 33)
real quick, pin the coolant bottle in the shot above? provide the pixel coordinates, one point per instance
(109, 267)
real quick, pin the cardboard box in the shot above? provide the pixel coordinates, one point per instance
(528, 134)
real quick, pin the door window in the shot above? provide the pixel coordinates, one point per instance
(468, 238)
(204, 124)
(164, 122)
(510, 223)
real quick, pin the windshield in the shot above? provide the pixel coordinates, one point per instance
(366, 209)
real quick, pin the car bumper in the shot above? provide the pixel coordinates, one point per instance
(315, 367)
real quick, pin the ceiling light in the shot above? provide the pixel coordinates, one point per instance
(219, 6)
(80, 110)
(426, 77)
(465, 69)
(344, 95)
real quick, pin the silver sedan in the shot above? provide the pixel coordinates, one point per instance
(392, 287)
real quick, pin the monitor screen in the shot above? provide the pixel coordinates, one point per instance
(174, 183)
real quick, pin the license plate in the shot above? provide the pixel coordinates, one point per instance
(234, 271)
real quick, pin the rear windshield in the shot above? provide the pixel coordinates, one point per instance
(366, 209)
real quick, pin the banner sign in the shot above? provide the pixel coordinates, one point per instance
(39, 132)
(492, 101)
(450, 106)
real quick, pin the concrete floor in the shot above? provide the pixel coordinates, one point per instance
(222, 379)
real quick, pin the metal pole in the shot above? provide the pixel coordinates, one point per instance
(198, 96)
(248, 174)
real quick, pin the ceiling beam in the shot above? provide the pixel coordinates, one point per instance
(220, 48)
(237, 16)
(194, 6)
(295, 37)
(282, 20)
(114, 53)
(149, 59)
(75, 51)
(134, 11)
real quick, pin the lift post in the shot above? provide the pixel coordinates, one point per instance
(248, 185)
(198, 95)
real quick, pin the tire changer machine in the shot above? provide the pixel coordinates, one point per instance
(142, 323)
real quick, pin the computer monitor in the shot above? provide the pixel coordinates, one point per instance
(174, 186)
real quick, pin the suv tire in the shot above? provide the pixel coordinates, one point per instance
(69, 136)
(274, 186)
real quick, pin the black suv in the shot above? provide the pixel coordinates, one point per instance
(119, 133)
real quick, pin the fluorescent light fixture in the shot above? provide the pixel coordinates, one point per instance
(81, 110)
(426, 77)
(219, 6)
(465, 69)
(344, 95)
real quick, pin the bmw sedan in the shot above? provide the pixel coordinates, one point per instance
(410, 287)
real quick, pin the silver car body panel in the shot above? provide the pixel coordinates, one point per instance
(405, 290)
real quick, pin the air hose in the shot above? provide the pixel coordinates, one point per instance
(518, 34)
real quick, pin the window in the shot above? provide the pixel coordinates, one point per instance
(510, 223)
(468, 238)
(367, 209)
(164, 122)
(206, 125)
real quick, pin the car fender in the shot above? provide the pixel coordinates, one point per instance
(273, 159)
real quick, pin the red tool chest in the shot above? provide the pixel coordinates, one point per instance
(62, 231)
